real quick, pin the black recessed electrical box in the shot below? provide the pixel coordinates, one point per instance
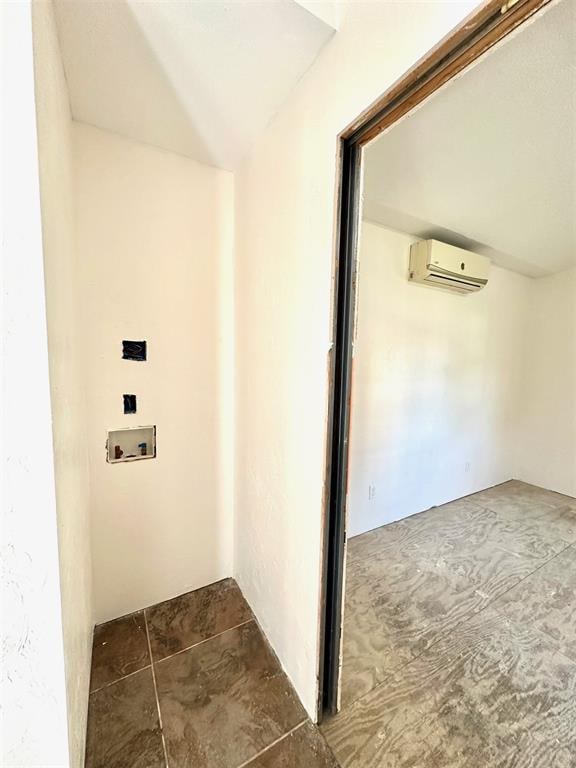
(129, 403)
(134, 350)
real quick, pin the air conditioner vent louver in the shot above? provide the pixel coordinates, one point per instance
(442, 265)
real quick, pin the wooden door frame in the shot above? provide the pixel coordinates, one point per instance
(490, 23)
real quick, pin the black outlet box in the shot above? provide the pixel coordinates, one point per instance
(129, 403)
(134, 350)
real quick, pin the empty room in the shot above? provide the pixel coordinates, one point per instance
(289, 414)
(460, 586)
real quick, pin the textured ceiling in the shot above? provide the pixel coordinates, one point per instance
(200, 78)
(489, 162)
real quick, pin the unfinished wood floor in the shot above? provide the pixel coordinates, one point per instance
(460, 637)
(460, 652)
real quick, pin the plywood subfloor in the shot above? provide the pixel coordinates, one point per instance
(460, 637)
(459, 652)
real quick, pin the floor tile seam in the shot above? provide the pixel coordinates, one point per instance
(489, 604)
(352, 561)
(201, 642)
(451, 663)
(441, 635)
(453, 578)
(465, 618)
(119, 679)
(541, 633)
(557, 504)
(503, 738)
(427, 566)
(555, 508)
(378, 527)
(402, 521)
(369, 557)
(392, 672)
(491, 601)
(540, 516)
(156, 692)
(419, 710)
(557, 651)
(246, 763)
(163, 602)
(527, 576)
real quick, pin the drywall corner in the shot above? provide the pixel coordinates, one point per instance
(546, 454)
(68, 403)
(34, 724)
(155, 228)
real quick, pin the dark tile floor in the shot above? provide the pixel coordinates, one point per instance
(459, 652)
(192, 683)
(460, 637)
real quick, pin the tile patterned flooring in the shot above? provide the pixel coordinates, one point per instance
(192, 683)
(459, 652)
(460, 637)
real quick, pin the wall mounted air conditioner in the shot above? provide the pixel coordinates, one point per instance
(442, 265)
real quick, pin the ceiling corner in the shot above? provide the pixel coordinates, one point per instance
(325, 10)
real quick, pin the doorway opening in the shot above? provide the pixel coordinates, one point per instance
(488, 26)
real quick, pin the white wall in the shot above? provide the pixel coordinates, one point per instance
(34, 731)
(285, 195)
(67, 390)
(437, 378)
(547, 445)
(155, 234)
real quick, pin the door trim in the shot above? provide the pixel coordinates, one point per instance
(490, 23)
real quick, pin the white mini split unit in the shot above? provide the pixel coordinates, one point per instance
(445, 266)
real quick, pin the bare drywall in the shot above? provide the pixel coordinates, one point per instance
(34, 723)
(437, 384)
(285, 197)
(155, 236)
(215, 72)
(67, 389)
(456, 170)
(547, 444)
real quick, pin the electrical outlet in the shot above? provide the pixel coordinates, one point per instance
(467, 467)
(371, 492)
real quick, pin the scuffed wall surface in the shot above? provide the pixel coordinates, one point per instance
(34, 728)
(66, 384)
(155, 240)
(285, 194)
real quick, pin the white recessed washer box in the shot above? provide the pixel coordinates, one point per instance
(130, 444)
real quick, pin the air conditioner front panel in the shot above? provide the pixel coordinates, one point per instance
(458, 261)
(444, 275)
(455, 285)
(439, 264)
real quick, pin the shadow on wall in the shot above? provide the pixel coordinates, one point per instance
(154, 229)
(435, 388)
(129, 28)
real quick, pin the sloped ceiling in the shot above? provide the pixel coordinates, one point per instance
(202, 78)
(489, 163)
